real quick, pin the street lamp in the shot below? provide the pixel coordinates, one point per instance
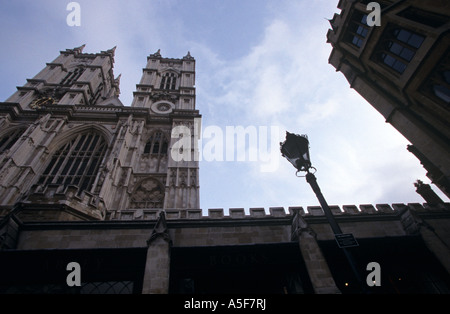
(296, 150)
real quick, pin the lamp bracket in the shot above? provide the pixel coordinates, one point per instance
(307, 171)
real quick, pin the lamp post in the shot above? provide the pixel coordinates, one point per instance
(296, 150)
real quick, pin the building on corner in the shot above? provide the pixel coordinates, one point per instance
(402, 68)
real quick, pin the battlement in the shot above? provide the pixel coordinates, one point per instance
(275, 212)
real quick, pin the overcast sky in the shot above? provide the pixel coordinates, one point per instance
(262, 65)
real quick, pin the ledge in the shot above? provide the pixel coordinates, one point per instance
(278, 212)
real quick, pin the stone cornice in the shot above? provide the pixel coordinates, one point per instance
(194, 218)
(92, 112)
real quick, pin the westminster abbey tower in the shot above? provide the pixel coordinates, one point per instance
(70, 150)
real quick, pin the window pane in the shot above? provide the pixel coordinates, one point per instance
(357, 41)
(82, 167)
(86, 143)
(94, 142)
(60, 161)
(164, 148)
(80, 141)
(67, 167)
(395, 48)
(50, 165)
(415, 40)
(362, 31)
(364, 19)
(399, 66)
(92, 167)
(85, 184)
(389, 60)
(407, 54)
(155, 148)
(403, 35)
(148, 147)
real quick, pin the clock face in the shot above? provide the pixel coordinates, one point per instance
(162, 107)
(38, 103)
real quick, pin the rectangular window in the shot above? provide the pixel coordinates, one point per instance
(437, 85)
(397, 48)
(424, 17)
(358, 29)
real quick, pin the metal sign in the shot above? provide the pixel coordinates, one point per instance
(345, 240)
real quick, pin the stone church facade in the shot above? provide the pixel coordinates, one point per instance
(85, 179)
(67, 134)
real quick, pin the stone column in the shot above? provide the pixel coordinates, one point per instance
(157, 266)
(318, 270)
(415, 225)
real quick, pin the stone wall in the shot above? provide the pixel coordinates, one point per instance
(192, 228)
(158, 231)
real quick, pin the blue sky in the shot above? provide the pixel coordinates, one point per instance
(259, 63)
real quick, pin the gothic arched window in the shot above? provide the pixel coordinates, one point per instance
(76, 162)
(157, 144)
(8, 140)
(168, 81)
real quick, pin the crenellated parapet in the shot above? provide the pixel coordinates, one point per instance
(276, 212)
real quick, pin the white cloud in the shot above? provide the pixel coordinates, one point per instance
(285, 82)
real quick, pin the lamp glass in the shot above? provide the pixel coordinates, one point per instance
(296, 150)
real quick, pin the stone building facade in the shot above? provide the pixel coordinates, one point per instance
(402, 68)
(87, 180)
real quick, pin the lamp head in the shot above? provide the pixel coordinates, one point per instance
(296, 150)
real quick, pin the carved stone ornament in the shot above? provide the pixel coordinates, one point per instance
(160, 230)
(164, 96)
(149, 194)
(162, 107)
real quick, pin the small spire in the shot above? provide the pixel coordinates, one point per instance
(156, 54)
(112, 51)
(79, 49)
(160, 230)
(188, 56)
(75, 50)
